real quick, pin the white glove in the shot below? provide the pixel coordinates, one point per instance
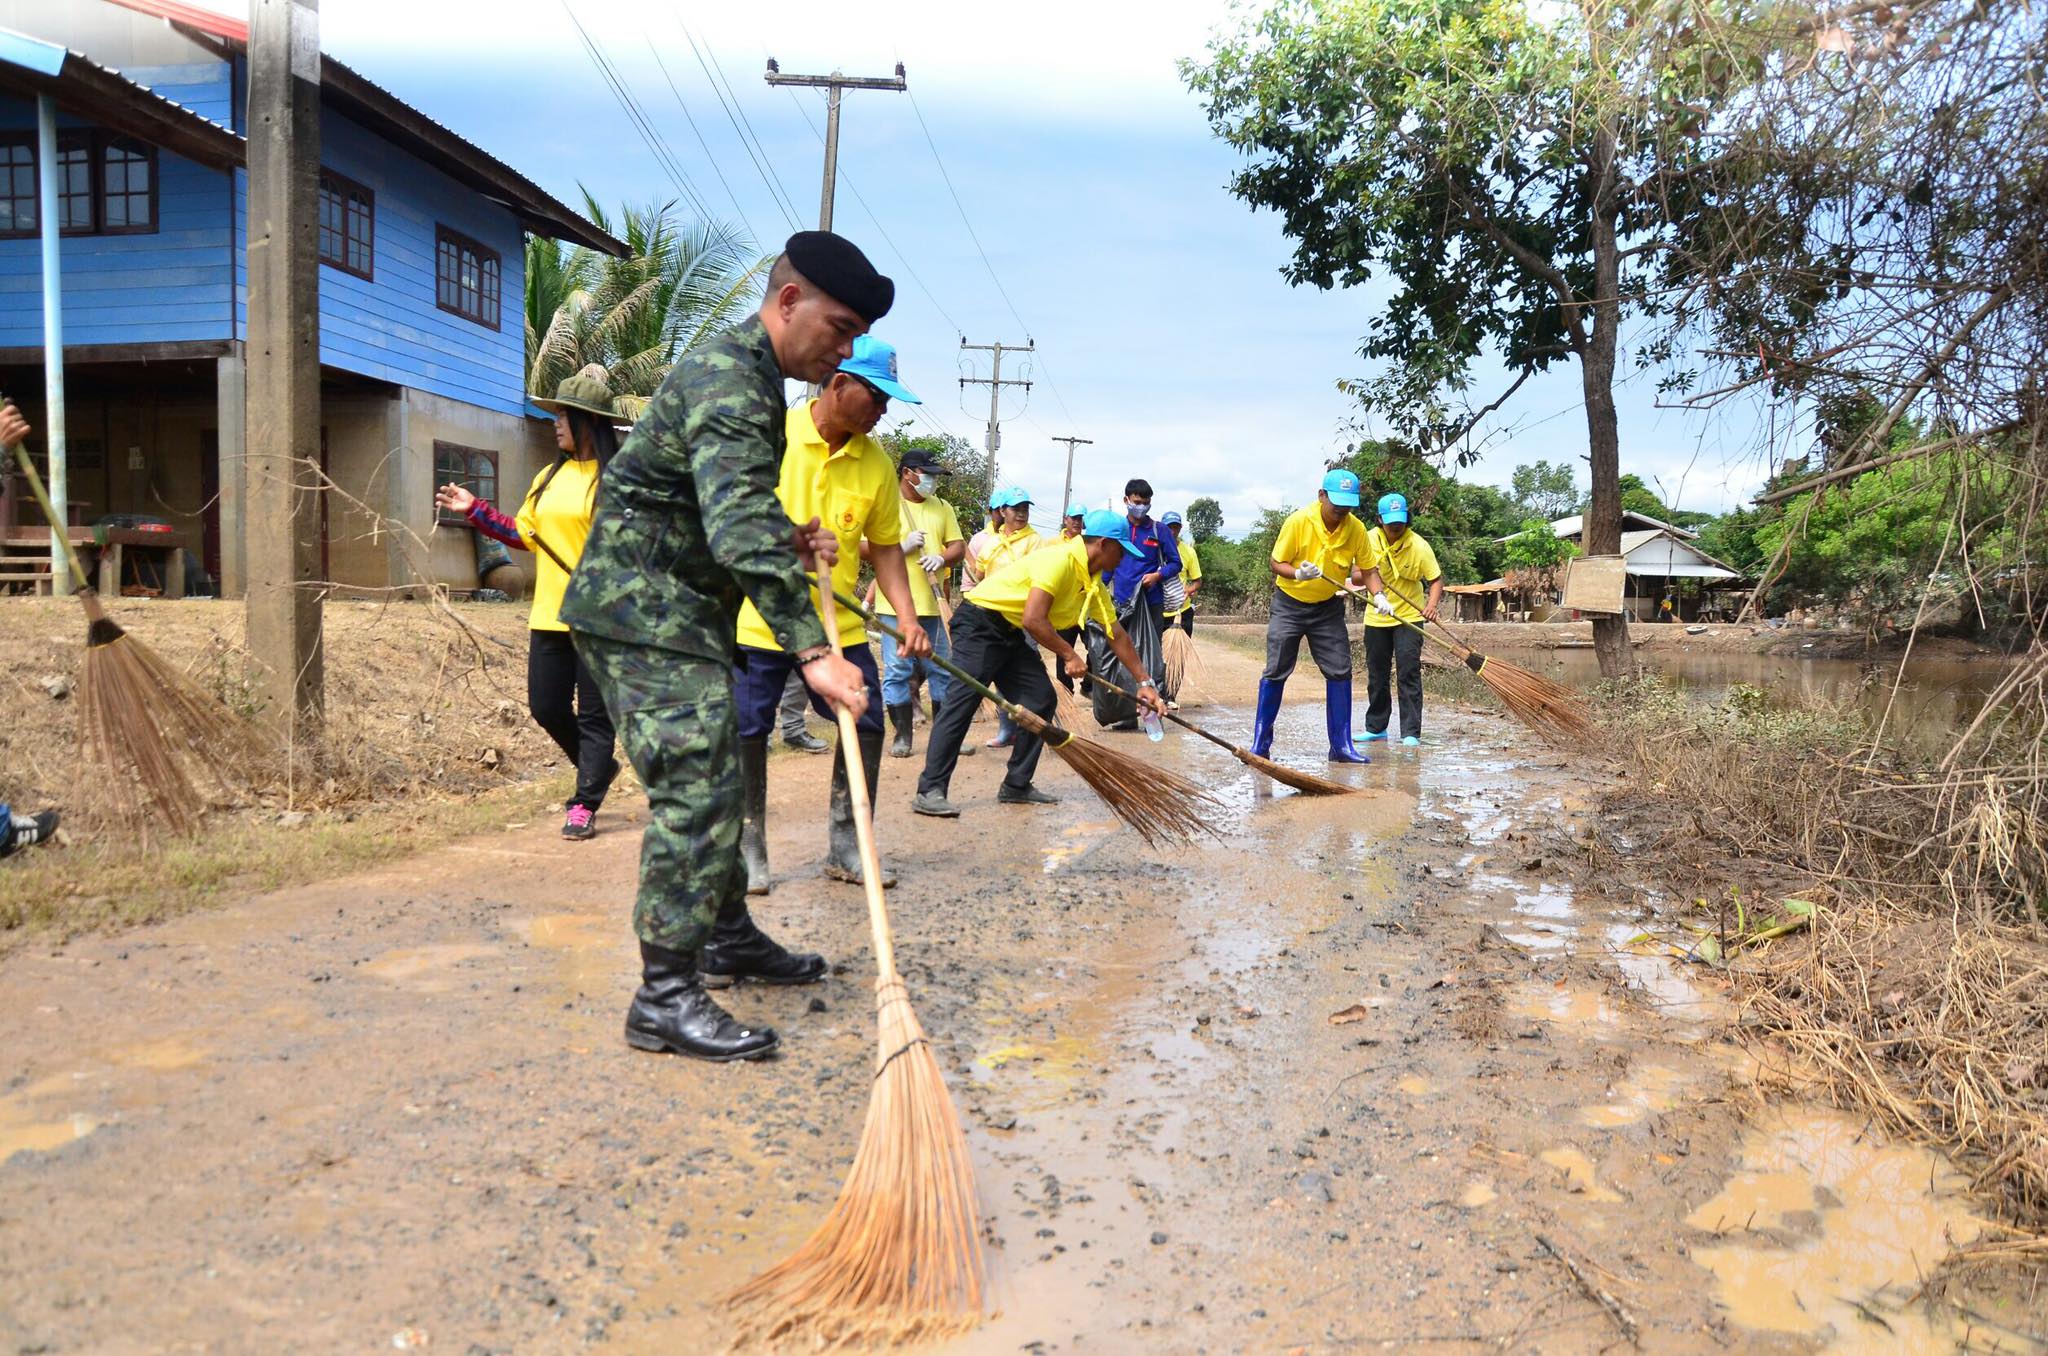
(1381, 605)
(931, 564)
(913, 540)
(1308, 569)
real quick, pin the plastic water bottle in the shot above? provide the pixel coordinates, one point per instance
(1153, 726)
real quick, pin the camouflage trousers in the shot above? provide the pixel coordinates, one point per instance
(675, 717)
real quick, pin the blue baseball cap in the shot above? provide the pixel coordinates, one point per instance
(874, 362)
(1009, 497)
(1077, 509)
(1342, 487)
(1169, 518)
(1105, 523)
(1393, 508)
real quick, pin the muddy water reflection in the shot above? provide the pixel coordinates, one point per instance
(1868, 1219)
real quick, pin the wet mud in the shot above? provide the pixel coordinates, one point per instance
(1315, 1086)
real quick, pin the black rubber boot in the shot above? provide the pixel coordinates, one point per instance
(672, 1014)
(754, 813)
(842, 856)
(899, 720)
(739, 950)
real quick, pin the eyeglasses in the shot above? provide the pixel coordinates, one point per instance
(875, 393)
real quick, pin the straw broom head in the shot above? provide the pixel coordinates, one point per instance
(1183, 661)
(1162, 807)
(1554, 712)
(1305, 782)
(148, 730)
(899, 1257)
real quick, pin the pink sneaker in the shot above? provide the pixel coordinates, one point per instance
(581, 823)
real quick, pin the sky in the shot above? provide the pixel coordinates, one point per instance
(1048, 177)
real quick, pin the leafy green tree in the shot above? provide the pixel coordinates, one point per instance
(1503, 163)
(1544, 491)
(965, 484)
(1205, 519)
(1536, 547)
(680, 283)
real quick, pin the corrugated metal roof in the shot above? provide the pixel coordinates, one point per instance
(81, 84)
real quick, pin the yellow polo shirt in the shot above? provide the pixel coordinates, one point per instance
(1061, 569)
(941, 528)
(560, 516)
(852, 491)
(1009, 546)
(1406, 568)
(1190, 570)
(1303, 537)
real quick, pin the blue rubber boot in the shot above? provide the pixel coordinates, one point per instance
(1337, 718)
(1268, 712)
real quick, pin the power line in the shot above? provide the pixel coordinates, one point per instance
(961, 208)
(657, 146)
(654, 51)
(877, 221)
(742, 126)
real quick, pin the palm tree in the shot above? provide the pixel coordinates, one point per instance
(679, 283)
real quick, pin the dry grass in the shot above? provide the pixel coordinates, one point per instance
(1920, 991)
(427, 737)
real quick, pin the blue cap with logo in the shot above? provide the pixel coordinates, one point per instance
(1008, 497)
(1077, 509)
(1169, 519)
(1342, 487)
(874, 362)
(1393, 508)
(1105, 523)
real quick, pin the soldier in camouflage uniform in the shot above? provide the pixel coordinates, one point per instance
(687, 524)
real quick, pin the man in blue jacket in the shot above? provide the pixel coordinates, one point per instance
(1140, 579)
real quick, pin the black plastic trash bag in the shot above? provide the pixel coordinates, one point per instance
(1141, 623)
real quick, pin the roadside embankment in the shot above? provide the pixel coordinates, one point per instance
(1658, 638)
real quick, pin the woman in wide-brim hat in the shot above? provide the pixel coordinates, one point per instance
(553, 522)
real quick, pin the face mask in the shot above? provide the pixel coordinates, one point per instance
(927, 485)
(1136, 511)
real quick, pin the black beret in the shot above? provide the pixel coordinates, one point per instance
(837, 266)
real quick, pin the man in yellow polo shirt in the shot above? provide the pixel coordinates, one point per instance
(1015, 538)
(1318, 546)
(1409, 573)
(1048, 592)
(931, 533)
(833, 470)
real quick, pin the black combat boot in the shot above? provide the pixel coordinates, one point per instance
(739, 950)
(899, 720)
(754, 812)
(671, 1012)
(842, 857)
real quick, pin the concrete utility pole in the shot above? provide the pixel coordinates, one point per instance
(1067, 490)
(995, 383)
(834, 84)
(281, 524)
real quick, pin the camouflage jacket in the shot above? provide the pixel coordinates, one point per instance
(687, 522)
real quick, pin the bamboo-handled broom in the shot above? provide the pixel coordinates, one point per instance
(1160, 805)
(144, 726)
(899, 1257)
(1553, 711)
(1305, 782)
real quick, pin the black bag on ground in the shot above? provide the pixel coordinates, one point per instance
(1141, 624)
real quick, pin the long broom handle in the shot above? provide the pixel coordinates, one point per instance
(1218, 740)
(863, 810)
(1460, 651)
(955, 670)
(35, 486)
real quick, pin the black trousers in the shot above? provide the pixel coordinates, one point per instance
(1292, 621)
(1398, 648)
(998, 654)
(1187, 620)
(1072, 635)
(565, 702)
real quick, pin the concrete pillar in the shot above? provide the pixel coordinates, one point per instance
(408, 493)
(231, 394)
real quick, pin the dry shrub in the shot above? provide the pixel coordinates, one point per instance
(1920, 992)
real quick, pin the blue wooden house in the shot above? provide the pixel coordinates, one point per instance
(422, 334)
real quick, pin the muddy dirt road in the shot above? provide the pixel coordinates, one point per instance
(1326, 1084)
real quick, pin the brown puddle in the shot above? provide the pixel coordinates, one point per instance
(17, 1137)
(1869, 1219)
(1580, 1179)
(1415, 1085)
(1648, 1088)
(1573, 1007)
(574, 931)
(1477, 1194)
(425, 967)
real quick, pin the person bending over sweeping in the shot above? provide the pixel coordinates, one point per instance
(1408, 571)
(1036, 598)
(688, 522)
(553, 521)
(932, 530)
(1317, 546)
(833, 470)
